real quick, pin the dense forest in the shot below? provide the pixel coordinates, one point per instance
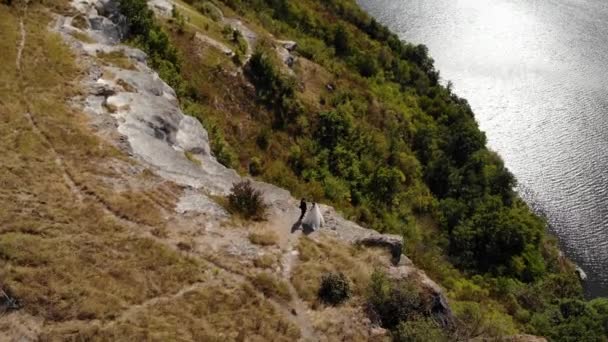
(382, 139)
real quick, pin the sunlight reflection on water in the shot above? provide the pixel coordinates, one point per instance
(535, 73)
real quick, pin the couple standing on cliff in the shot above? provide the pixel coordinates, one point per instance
(313, 219)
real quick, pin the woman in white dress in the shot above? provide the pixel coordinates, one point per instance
(313, 219)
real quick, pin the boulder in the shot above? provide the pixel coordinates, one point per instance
(289, 45)
(439, 308)
(393, 243)
(441, 311)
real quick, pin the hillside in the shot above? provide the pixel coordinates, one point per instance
(124, 129)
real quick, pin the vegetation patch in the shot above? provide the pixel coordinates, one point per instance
(395, 302)
(191, 157)
(205, 313)
(65, 254)
(117, 59)
(83, 37)
(246, 201)
(264, 261)
(334, 288)
(271, 286)
(264, 238)
(317, 259)
(423, 329)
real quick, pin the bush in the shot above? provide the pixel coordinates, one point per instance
(255, 166)
(393, 302)
(209, 10)
(276, 91)
(334, 289)
(246, 201)
(418, 330)
(147, 34)
(263, 140)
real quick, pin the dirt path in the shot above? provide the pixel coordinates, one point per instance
(283, 225)
(23, 37)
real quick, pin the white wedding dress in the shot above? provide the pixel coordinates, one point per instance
(313, 218)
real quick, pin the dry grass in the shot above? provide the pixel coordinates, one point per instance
(71, 221)
(192, 158)
(116, 58)
(200, 22)
(209, 313)
(271, 286)
(125, 85)
(83, 37)
(314, 79)
(346, 322)
(265, 261)
(318, 258)
(264, 238)
(61, 252)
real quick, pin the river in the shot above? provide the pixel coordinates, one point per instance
(536, 74)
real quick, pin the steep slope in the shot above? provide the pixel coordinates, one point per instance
(109, 225)
(113, 219)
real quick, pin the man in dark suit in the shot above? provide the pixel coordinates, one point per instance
(303, 209)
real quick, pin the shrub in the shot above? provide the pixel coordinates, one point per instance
(147, 34)
(255, 166)
(179, 19)
(263, 140)
(334, 289)
(342, 41)
(393, 302)
(423, 329)
(276, 91)
(366, 65)
(247, 201)
(209, 10)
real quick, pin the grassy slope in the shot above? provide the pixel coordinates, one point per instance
(71, 225)
(50, 238)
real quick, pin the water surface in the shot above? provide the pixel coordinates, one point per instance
(536, 74)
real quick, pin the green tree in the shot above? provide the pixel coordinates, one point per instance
(342, 41)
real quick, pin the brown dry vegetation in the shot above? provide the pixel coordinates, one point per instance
(117, 59)
(327, 255)
(83, 37)
(271, 286)
(345, 321)
(264, 261)
(73, 223)
(214, 313)
(63, 251)
(264, 238)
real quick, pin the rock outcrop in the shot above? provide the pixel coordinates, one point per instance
(393, 243)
